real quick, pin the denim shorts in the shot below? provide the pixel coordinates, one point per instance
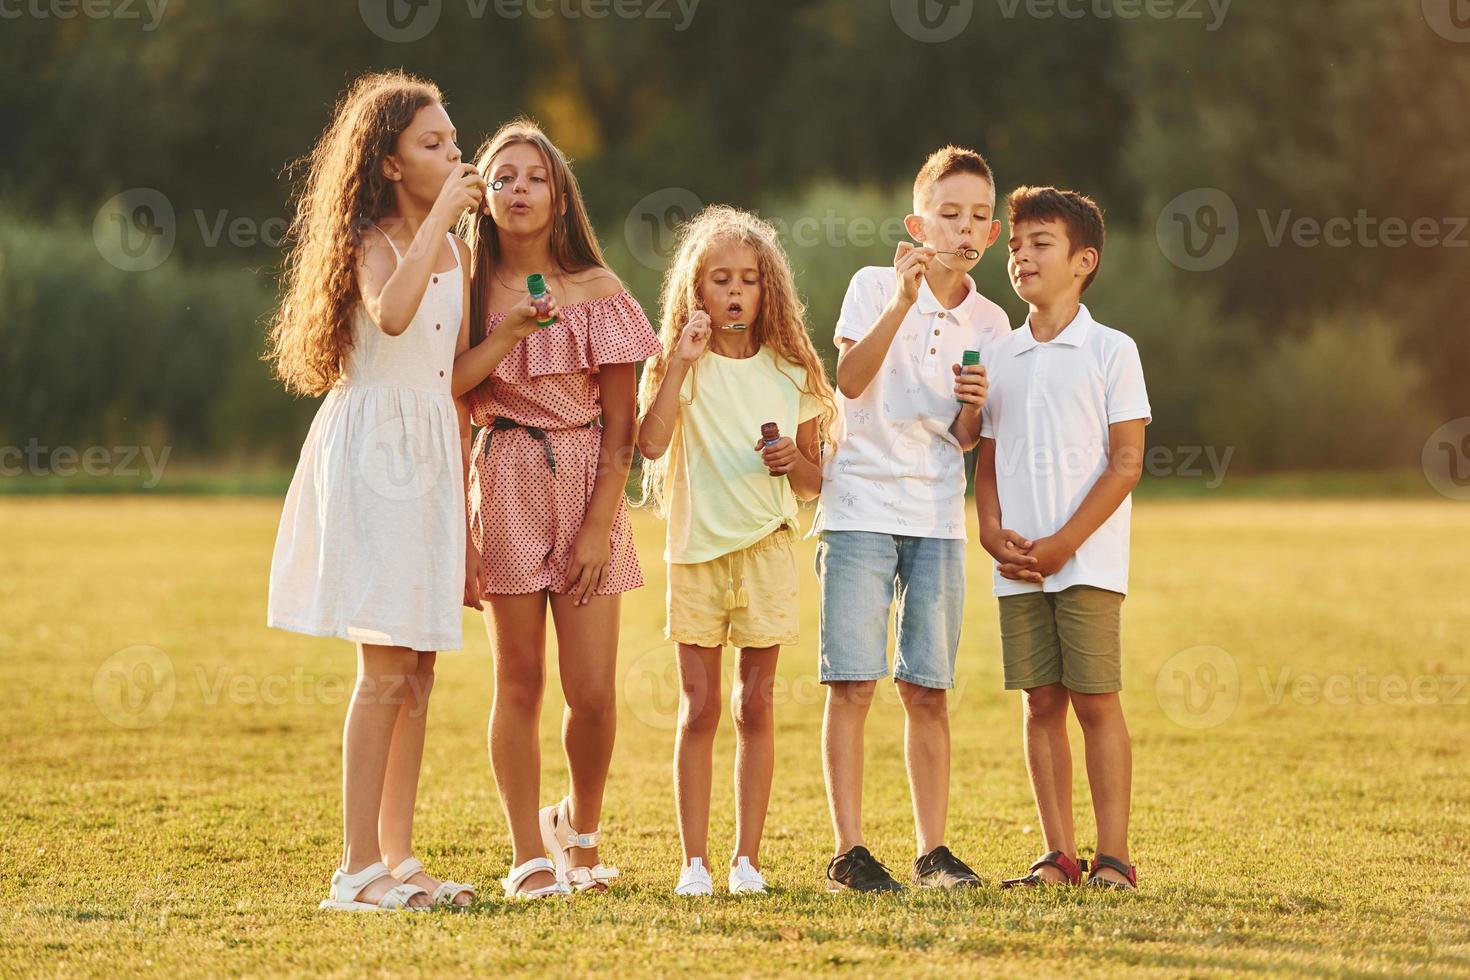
(860, 572)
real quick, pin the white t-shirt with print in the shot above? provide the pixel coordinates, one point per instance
(896, 469)
(1048, 410)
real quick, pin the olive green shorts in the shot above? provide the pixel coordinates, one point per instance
(1072, 638)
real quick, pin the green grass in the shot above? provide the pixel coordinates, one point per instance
(1316, 834)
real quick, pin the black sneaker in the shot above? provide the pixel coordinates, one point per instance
(859, 871)
(941, 869)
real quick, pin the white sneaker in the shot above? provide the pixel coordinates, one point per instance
(745, 880)
(695, 879)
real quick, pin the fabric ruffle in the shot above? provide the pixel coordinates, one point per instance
(612, 330)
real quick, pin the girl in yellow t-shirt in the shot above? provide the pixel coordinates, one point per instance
(735, 357)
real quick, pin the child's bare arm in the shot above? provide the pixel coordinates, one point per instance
(859, 361)
(1125, 467)
(799, 460)
(466, 446)
(472, 365)
(392, 290)
(656, 428)
(971, 385)
(1008, 548)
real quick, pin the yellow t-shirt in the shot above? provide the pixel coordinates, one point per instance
(721, 497)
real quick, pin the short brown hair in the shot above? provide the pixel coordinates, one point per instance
(946, 162)
(1079, 213)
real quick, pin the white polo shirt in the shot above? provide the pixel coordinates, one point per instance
(895, 468)
(1048, 410)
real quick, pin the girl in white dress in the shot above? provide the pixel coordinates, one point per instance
(372, 543)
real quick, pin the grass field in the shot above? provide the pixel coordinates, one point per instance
(1296, 685)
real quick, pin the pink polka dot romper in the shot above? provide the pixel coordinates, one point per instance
(535, 461)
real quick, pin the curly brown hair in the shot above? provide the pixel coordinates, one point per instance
(342, 192)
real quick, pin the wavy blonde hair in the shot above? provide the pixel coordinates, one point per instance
(779, 327)
(342, 193)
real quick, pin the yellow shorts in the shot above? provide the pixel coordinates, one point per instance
(744, 599)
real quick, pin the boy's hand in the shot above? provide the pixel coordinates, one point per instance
(1050, 554)
(779, 456)
(971, 385)
(694, 339)
(1012, 555)
(910, 263)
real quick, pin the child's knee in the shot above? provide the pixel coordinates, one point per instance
(521, 690)
(1046, 703)
(851, 695)
(1097, 710)
(752, 710)
(699, 713)
(592, 706)
(925, 703)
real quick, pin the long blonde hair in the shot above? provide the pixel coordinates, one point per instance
(780, 326)
(342, 193)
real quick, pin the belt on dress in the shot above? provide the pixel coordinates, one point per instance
(503, 424)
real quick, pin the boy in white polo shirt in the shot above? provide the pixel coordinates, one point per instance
(892, 514)
(1061, 450)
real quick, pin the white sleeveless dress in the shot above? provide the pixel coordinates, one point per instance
(371, 545)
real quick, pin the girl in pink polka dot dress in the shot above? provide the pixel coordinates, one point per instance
(546, 493)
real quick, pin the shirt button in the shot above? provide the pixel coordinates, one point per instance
(936, 333)
(934, 350)
(436, 278)
(438, 325)
(441, 374)
(941, 314)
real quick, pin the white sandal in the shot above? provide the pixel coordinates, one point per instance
(559, 838)
(447, 891)
(512, 882)
(347, 887)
